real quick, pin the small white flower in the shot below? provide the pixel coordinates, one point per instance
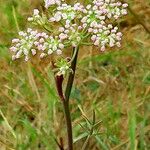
(50, 52)
(26, 58)
(33, 52)
(103, 48)
(61, 46)
(15, 40)
(59, 52)
(30, 19)
(48, 3)
(125, 5)
(35, 12)
(43, 55)
(57, 16)
(96, 42)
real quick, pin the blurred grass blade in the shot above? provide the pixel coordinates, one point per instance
(15, 18)
(32, 133)
(132, 129)
(101, 143)
(45, 82)
(8, 125)
(80, 137)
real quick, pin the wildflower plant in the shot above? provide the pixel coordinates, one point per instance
(66, 26)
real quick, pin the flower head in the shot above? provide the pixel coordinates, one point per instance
(106, 36)
(63, 67)
(110, 8)
(72, 34)
(31, 42)
(71, 25)
(67, 13)
(24, 44)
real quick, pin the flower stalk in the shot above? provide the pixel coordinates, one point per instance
(65, 97)
(72, 74)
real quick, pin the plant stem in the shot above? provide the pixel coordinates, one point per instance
(68, 124)
(66, 100)
(71, 76)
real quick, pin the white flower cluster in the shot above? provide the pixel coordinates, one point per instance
(105, 35)
(68, 13)
(97, 19)
(54, 44)
(101, 10)
(77, 24)
(37, 18)
(32, 41)
(92, 18)
(72, 34)
(110, 8)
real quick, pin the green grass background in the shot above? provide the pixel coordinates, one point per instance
(115, 84)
